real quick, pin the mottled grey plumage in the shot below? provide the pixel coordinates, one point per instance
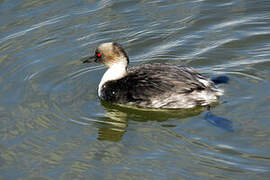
(155, 85)
(161, 85)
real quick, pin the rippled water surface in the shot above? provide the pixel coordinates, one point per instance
(53, 126)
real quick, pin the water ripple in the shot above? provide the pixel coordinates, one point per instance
(33, 27)
(53, 126)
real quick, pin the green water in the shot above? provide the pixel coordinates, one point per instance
(53, 126)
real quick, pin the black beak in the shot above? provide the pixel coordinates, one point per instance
(88, 59)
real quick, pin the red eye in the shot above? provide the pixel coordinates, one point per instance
(98, 55)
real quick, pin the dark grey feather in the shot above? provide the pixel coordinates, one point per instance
(146, 82)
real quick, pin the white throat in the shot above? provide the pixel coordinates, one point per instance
(116, 71)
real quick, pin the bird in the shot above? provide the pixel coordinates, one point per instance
(151, 85)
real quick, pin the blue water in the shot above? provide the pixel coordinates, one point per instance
(53, 126)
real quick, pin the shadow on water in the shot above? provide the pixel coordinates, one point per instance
(218, 121)
(115, 122)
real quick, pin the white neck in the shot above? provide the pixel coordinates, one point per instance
(116, 71)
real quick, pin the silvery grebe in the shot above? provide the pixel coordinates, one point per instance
(153, 85)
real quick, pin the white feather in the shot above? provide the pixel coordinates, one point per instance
(116, 71)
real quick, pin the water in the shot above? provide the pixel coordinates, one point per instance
(53, 126)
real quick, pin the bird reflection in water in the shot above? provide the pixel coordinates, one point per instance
(115, 122)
